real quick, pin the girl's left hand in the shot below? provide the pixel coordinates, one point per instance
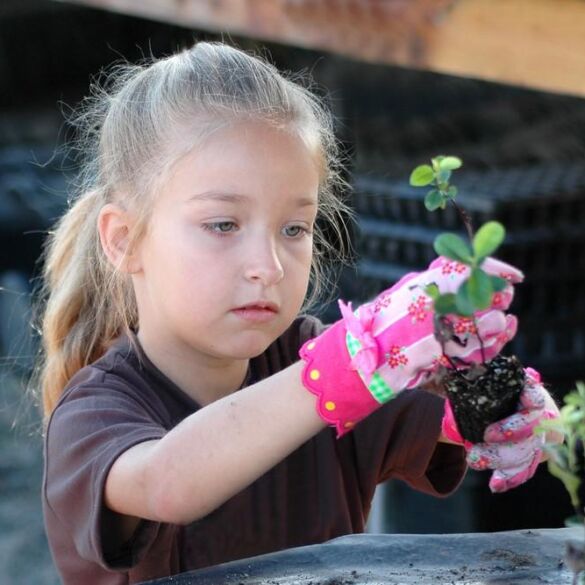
(510, 447)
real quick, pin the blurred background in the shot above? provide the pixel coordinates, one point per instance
(515, 114)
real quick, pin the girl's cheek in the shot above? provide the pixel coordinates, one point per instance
(306, 252)
(299, 268)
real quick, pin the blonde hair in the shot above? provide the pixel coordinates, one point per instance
(131, 129)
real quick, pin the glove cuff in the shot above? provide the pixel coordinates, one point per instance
(343, 397)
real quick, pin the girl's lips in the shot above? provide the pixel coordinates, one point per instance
(255, 314)
(259, 313)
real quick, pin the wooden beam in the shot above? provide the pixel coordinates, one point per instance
(533, 43)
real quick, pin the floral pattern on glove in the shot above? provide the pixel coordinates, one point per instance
(396, 357)
(388, 345)
(420, 308)
(453, 267)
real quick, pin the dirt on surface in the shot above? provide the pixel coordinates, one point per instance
(516, 560)
(24, 554)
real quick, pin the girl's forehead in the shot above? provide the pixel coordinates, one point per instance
(246, 158)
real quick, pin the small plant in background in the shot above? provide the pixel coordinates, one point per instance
(566, 462)
(489, 392)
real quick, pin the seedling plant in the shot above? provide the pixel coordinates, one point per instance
(487, 392)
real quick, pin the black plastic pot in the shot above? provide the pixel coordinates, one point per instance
(526, 557)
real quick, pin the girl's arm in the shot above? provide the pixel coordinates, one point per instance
(214, 453)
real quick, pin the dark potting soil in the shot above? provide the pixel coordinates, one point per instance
(479, 400)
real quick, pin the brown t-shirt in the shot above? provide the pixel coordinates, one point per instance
(320, 491)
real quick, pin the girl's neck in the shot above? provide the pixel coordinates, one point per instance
(204, 383)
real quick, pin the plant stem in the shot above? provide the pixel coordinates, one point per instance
(481, 344)
(465, 219)
(449, 359)
(453, 365)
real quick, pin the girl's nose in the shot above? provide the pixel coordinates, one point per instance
(263, 265)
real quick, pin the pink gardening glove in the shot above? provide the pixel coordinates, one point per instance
(511, 448)
(388, 345)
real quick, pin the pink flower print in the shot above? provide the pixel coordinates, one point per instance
(498, 300)
(382, 302)
(451, 267)
(505, 429)
(396, 357)
(441, 361)
(502, 338)
(506, 276)
(516, 427)
(419, 309)
(479, 463)
(463, 325)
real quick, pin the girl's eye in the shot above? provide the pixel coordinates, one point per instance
(220, 227)
(295, 231)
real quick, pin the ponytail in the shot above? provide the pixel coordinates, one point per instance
(81, 316)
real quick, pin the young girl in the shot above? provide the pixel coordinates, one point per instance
(182, 429)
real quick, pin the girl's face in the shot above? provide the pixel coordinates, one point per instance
(224, 266)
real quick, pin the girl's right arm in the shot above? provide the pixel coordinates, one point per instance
(352, 368)
(214, 453)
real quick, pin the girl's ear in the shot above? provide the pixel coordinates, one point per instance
(114, 227)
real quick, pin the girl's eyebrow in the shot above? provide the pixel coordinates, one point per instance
(240, 198)
(219, 196)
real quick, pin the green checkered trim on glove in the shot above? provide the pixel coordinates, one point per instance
(377, 386)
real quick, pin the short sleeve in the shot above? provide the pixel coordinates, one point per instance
(399, 441)
(91, 427)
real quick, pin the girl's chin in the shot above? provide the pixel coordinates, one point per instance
(250, 347)
(248, 353)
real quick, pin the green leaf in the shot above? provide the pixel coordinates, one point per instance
(573, 398)
(433, 200)
(453, 247)
(479, 289)
(422, 176)
(553, 424)
(452, 191)
(450, 163)
(463, 303)
(443, 176)
(576, 417)
(558, 454)
(488, 238)
(577, 396)
(498, 284)
(433, 291)
(445, 304)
